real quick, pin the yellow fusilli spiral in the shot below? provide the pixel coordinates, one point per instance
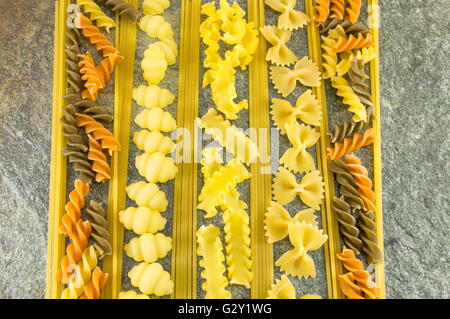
(142, 220)
(154, 65)
(330, 59)
(151, 279)
(93, 288)
(147, 194)
(148, 247)
(152, 142)
(152, 96)
(96, 14)
(156, 120)
(156, 27)
(349, 98)
(155, 167)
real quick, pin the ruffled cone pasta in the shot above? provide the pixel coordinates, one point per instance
(151, 279)
(147, 194)
(152, 96)
(155, 167)
(156, 120)
(142, 220)
(148, 247)
(152, 142)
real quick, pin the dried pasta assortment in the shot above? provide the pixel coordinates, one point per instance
(322, 196)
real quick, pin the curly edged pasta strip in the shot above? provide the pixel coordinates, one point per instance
(100, 231)
(369, 238)
(362, 180)
(75, 286)
(122, 7)
(352, 42)
(210, 250)
(96, 37)
(357, 79)
(97, 112)
(100, 133)
(99, 162)
(289, 18)
(93, 288)
(73, 208)
(277, 220)
(349, 27)
(349, 98)
(151, 279)
(337, 9)
(96, 14)
(76, 149)
(347, 224)
(72, 49)
(93, 81)
(322, 11)
(307, 109)
(360, 276)
(310, 189)
(347, 186)
(74, 250)
(305, 238)
(351, 144)
(353, 10)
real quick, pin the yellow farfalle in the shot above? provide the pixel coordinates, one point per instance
(155, 6)
(210, 249)
(285, 80)
(96, 14)
(154, 64)
(282, 289)
(131, 294)
(142, 220)
(296, 158)
(152, 142)
(365, 54)
(215, 187)
(156, 120)
(228, 136)
(289, 17)
(147, 194)
(155, 167)
(307, 109)
(349, 98)
(310, 190)
(148, 247)
(237, 238)
(82, 274)
(152, 96)
(279, 53)
(156, 27)
(304, 237)
(151, 279)
(277, 221)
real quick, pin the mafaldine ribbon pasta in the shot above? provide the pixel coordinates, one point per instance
(297, 158)
(277, 221)
(307, 109)
(310, 190)
(285, 80)
(210, 250)
(304, 237)
(279, 53)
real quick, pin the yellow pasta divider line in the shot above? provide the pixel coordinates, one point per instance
(184, 257)
(321, 153)
(332, 224)
(57, 197)
(126, 44)
(260, 184)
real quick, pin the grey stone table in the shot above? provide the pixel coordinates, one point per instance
(415, 127)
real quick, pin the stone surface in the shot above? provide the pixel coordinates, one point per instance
(415, 132)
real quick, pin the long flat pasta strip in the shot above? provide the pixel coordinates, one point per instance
(260, 184)
(329, 225)
(373, 9)
(126, 44)
(56, 243)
